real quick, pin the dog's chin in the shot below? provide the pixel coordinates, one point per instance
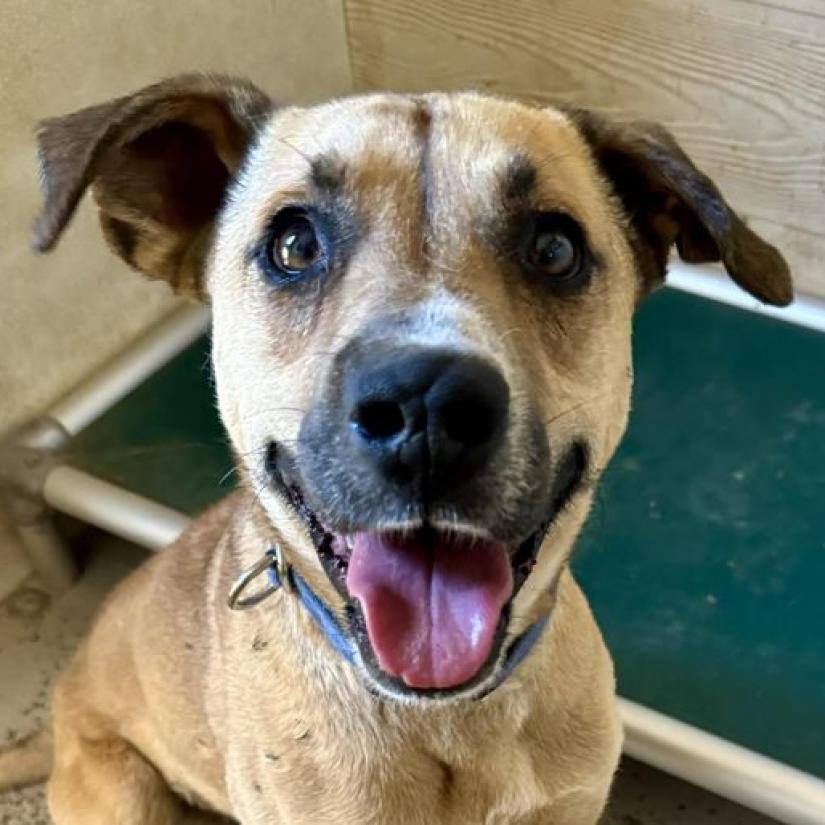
(429, 607)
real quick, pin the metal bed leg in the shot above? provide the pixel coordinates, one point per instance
(48, 553)
(26, 457)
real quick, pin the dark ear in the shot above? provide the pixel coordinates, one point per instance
(668, 200)
(159, 162)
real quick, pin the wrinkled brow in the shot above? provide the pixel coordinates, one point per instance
(327, 174)
(517, 181)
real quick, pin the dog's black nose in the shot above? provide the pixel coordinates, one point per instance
(426, 417)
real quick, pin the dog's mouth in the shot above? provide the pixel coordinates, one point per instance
(428, 607)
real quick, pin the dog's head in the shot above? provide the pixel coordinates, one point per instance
(422, 320)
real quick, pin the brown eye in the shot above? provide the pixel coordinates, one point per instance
(555, 253)
(294, 247)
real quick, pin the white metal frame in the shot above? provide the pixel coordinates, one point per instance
(755, 781)
(118, 511)
(711, 282)
(687, 752)
(87, 402)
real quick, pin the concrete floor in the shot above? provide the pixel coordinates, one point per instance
(38, 634)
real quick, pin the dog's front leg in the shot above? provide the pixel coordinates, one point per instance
(581, 806)
(107, 782)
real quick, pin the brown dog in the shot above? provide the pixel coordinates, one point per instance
(422, 315)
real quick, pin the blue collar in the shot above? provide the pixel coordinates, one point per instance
(320, 613)
(278, 573)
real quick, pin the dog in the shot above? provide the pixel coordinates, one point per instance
(422, 310)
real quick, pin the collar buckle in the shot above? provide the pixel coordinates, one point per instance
(279, 575)
(282, 570)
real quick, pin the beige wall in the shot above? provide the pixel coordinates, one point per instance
(741, 83)
(62, 314)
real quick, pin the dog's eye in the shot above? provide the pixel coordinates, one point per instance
(294, 247)
(555, 253)
(555, 248)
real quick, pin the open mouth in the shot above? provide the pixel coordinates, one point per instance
(429, 608)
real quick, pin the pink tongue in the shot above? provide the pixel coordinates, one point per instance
(432, 608)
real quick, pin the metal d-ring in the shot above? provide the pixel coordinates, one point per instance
(273, 559)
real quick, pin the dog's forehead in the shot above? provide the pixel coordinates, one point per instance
(468, 143)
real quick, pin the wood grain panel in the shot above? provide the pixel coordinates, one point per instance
(741, 83)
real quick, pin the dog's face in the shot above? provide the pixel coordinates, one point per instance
(422, 318)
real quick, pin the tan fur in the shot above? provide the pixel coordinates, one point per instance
(253, 714)
(29, 762)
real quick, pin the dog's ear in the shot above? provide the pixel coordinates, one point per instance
(668, 200)
(159, 162)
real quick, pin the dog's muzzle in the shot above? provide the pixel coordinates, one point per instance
(399, 479)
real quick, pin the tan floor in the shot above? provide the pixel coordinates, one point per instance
(37, 635)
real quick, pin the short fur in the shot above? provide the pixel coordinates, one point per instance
(252, 714)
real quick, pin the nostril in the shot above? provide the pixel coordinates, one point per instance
(379, 420)
(469, 421)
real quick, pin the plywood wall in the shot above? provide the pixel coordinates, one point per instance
(740, 82)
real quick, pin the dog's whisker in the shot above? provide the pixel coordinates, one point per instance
(575, 407)
(512, 331)
(295, 149)
(553, 157)
(227, 475)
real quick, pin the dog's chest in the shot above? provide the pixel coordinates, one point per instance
(385, 780)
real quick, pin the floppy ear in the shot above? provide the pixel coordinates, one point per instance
(159, 162)
(668, 200)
